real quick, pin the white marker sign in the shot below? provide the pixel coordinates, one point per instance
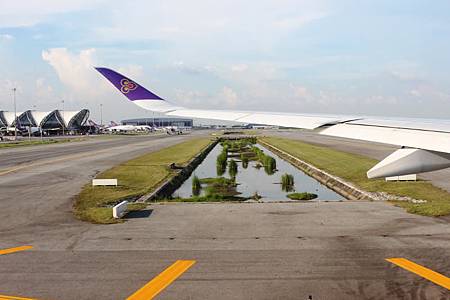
(112, 182)
(120, 209)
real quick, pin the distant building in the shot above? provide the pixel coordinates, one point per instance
(55, 120)
(159, 122)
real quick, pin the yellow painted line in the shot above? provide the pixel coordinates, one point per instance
(3, 297)
(421, 271)
(16, 249)
(163, 280)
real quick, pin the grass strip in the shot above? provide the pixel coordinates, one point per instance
(39, 142)
(136, 177)
(353, 168)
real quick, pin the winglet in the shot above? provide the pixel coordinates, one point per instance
(129, 88)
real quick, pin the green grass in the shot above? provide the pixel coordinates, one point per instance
(35, 143)
(135, 177)
(353, 168)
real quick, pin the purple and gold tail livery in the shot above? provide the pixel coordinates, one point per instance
(135, 92)
(128, 87)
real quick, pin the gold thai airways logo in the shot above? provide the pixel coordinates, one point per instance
(127, 86)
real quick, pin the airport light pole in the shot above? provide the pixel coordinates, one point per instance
(15, 113)
(101, 115)
(63, 120)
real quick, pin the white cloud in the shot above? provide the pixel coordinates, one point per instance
(132, 71)
(239, 67)
(74, 71)
(22, 13)
(415, 93)
(6, 37)
(6, 94)
(43, 89)
(183, 21)
(291, 23)
(229, 96)
(189, 98)
(85, 87)
(300, 91)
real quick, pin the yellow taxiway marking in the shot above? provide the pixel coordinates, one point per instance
(3, 297)
(16, 249)
(163, 280)
(421, 271)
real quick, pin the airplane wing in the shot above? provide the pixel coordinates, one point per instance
(425, 143)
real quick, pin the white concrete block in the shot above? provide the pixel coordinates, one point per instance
(112, 182)
(410, 177)
(120, 209)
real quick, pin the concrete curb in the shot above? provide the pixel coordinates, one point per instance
(335, 183)
(169, 185)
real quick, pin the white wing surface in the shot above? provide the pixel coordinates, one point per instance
(427, 140)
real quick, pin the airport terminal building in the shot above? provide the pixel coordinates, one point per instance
(54, 120)
(160, 122)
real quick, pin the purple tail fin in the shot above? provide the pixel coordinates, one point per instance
(128, 87)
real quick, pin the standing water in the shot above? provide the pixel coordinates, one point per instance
(253, 180)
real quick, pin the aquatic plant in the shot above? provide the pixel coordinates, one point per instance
(301, 196)
(232, 168)
(220, 187)
(240, 145)
(196, 186)
(221, 162)
(270, 164)
(256, 196)
(287, 182)
(245, 162)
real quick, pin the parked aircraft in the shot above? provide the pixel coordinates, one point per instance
(114, 127)
(425, 143)
(21, 131)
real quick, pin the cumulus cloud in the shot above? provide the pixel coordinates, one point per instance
(74, 70)
(85, 87)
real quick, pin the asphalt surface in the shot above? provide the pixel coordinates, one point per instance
(242, 251)
(43, 179)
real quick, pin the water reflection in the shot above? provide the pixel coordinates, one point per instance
(253, 180)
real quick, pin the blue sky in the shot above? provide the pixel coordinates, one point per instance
(362, 57)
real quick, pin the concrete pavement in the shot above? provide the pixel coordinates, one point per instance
(243, 251)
